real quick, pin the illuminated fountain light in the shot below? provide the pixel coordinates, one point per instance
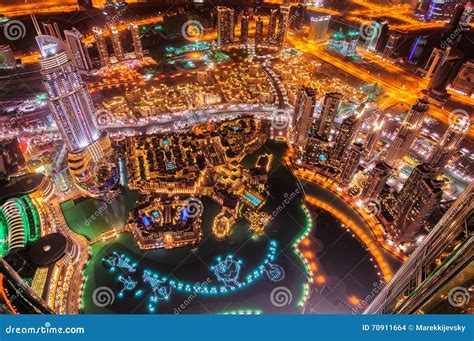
(227, 271)
(161, 289)
(128, 285)
(115, 260)
(274, 272)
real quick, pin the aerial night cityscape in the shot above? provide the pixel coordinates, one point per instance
(263, 157)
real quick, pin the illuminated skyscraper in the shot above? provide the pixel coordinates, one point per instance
(331, 103)
(419, 195)
(303, 115)
(116, 43)
(407, 132)
(318, 28)
(376, 180)
(79, 53)
(372, 137)
(272, 26)
(298, 15)
(351, 162)
(344, 138)
(433, 62)
(259, 31)
(244, 29)
(137, 42)
(74, 114)
(282, 25)
(225, 26)
(427, 282)
(6, 57)
(352, 38)
(101, 46)
(449, 144)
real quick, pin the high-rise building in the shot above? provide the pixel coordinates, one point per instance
(52, 29)
(303, 115)
(225, 26)
(173, 25)
(456, 16)
(344, 138)
(331, 103)
(463, 81)
(74, 114)
(373, 137)
(408, 131)
(272, 26)
(376, 180)
(298, 14)
(433, 62)
(244, 29)
(137, 42)
(318, 28)
(351, 162)
(419, 195)
(283, 20)
(449, 144)
(101, 46)
(116, 43)
(466, 16)
(17, 297)
(445, 73)
(390, 49)
(352, 38)
(7, 60)
(259, 31)
(427, 282)
(79, 53)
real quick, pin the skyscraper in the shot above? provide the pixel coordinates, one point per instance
(449, 144)
(442, 263)
(351, 162)
(373, 136)
(272, 26)
(244, 29)
(318, 28)
(433, 62)
(137, 42)
(282, 25)
(116, 43)
(79, 53)
(376, 180)
(101, 46)
(74, 114)
(331, 103)
(407, 132)
(259, 31)
(6, 57)
(298, 15)
(225, 26)
(344, 138)
(419, 195)
(302, 116)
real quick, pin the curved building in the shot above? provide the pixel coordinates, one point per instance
(19, 224)
(73, 110)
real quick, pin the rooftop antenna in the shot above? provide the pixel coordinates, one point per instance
(35, 23)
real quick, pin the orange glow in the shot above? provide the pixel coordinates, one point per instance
(320, 279)
(354, 300)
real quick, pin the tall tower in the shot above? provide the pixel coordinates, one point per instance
(225, 26)
(116, 43)
(272, 26)
(448, 145)
(259, 31)
(331, 103)
(101, 46)
(345, 136)
(137, 42)
(420, 193)
(73, 111)
(244, 29)
(376, 180)
(282, 25)
(407, 132)
(318, 28)
(433, 62)
(80, 54)
(442, 263)
(372, 137)
(354, 155)
(302, 116)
